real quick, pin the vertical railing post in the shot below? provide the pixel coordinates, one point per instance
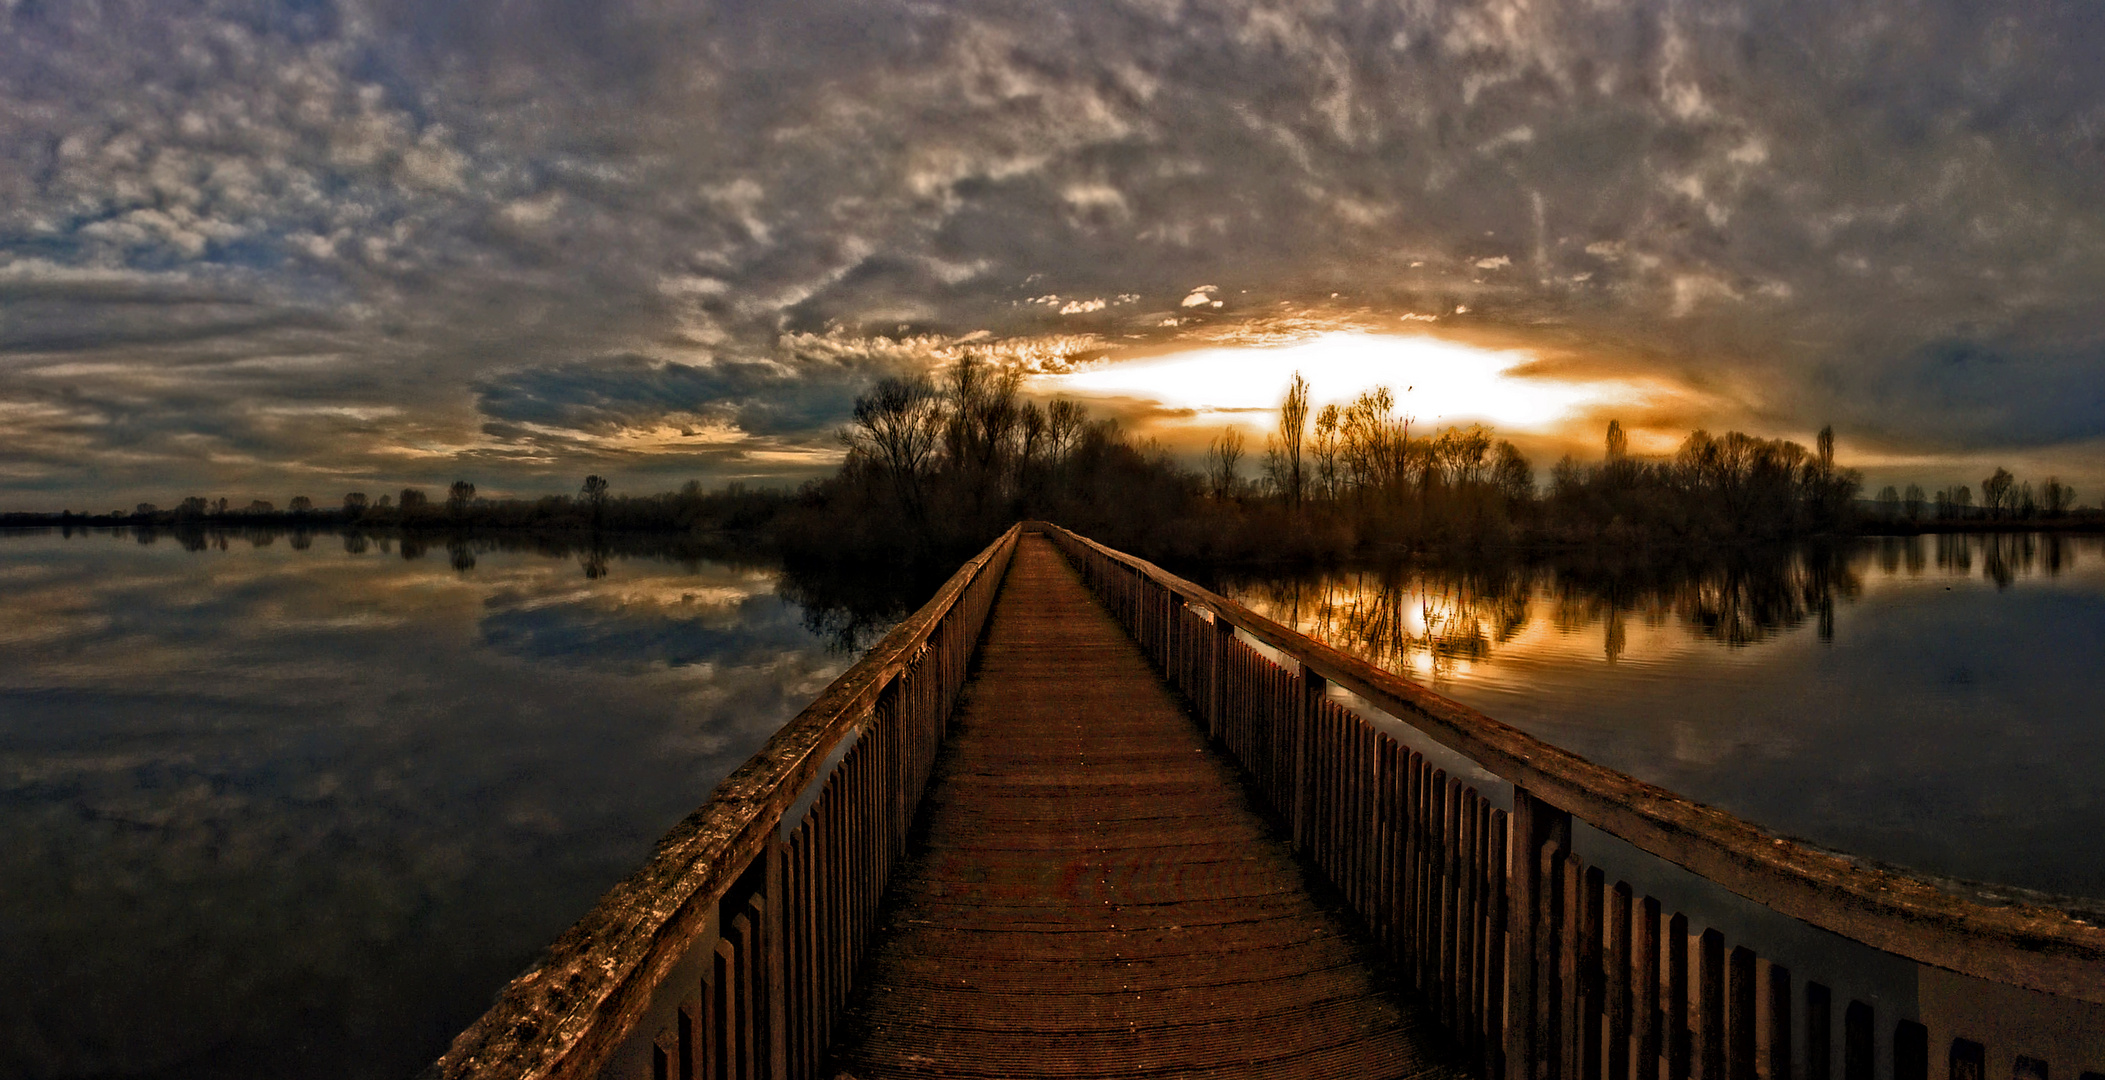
(775, 962)
(1313, 689)
(1217, 707)
(1534, 823)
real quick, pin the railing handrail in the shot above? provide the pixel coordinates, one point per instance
(2032, 947)
(567, 1012)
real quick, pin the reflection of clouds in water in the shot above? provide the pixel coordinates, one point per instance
(269, 806)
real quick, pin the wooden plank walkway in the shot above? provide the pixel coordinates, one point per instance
(1091, 894)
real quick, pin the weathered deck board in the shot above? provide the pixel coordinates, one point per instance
(1092, 895)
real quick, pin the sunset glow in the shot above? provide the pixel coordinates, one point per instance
(1434, 381)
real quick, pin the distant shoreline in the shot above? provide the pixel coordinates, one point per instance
(2080, 522)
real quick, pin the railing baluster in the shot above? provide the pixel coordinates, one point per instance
(1739, 1014)
(1676, 995)
(1494, 1062)
(1779, 1022)
(1859, 1047)
(1647, 1017)
(1618, 974)
(1592, 915)
(1710, 1004)
(1819, 1032)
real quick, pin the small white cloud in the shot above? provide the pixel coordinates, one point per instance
(1499, 262)
(532, 212)
(1082, 307)
(1201, 295)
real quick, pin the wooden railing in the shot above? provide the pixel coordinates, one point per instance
(1534, 965)
(730, 953)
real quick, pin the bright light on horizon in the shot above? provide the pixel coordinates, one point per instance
(1434, 381)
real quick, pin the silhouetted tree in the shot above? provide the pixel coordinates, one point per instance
(1995, 492)
(1913, 500)
(898, 424)
(1511, 474)
(300, 504)
(1223, 455)
(1618, 442)
(411, 500)
(1888, 503)
(191, 507)
(259, 506)
(1283, 455)
(594, 492)
(458, 497)
(2056, 497)
(1323, 449)
(354, 504)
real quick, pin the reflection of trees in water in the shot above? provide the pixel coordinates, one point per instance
(1392, 616)
(2004, 557)
(850, 610)
(1430, 618)
(1752, 597)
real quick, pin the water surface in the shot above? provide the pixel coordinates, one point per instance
(1935, 703)
(299, 805)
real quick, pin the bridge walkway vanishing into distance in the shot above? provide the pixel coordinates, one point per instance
(1097, 896)
(1001, 845)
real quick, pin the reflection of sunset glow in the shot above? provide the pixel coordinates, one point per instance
(1433, 380)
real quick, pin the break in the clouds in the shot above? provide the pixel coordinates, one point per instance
(246, 247)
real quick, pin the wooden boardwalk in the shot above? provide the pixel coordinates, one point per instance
(1091, 894)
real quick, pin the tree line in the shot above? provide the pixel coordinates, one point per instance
(936, 464)
(2003, 498)
(692, 508)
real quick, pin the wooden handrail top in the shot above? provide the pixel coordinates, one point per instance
(2022, 945)
(555, 1016)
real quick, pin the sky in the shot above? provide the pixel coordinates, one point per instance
(256, 249)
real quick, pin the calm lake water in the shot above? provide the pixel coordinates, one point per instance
(1935, 703)
(300, 809)
(280, 805)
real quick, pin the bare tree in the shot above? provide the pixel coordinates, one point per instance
(2056, 497)
(300, 504)
(1995, 492)
(1324, 447)
(1030, 434)
(1888, 503)
(1511, 473)
(1284, 455)
(1458, 453)
(1618, 442)
(897, 426)
(1064, 421)
(411, 499)
(1223, 455)
(594, 492)
(459, 496)
(355, 503)
(1912, 499)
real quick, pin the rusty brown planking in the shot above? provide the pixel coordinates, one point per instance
(1092, 894)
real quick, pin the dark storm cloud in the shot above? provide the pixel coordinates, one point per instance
(616, 393)
(511, 229)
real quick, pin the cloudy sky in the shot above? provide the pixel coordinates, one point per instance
(252, 249)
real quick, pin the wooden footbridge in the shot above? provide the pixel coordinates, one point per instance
(1078, 817)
